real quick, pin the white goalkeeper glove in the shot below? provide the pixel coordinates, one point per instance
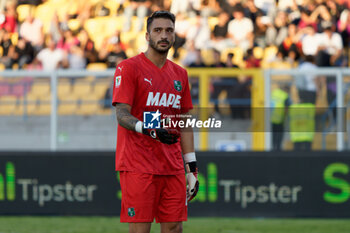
(191, 176)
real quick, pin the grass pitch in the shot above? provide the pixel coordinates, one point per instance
(194, 225)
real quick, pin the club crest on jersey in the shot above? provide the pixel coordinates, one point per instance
(118, 80)
(177, 85)
(131, 212)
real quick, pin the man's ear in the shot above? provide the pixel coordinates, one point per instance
(147, 36)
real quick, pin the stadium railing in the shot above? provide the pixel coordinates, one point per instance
(261, 90)
(339, 104)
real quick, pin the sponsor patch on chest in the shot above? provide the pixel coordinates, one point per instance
(163, 99)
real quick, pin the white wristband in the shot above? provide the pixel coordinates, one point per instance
(190, 157)
(138, 126)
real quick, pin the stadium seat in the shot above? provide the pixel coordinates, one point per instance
(238, 55)
(112, 5)
(42, 106)
(64, 87)
(208, 57)
(128, 37)
(8, 105)
(67, 107)
(212, 21)
(4, 88)
(40, 88)
(45, 13)
(114, 23)
(280, 65)
(100, 88)
(100, 28)
(258, 52)
(96, 66)
(14, 38)
(24, 11)
(270, 52)
(81, 89)
(74, 24)
(88, 105)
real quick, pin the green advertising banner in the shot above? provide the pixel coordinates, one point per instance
(242, 184)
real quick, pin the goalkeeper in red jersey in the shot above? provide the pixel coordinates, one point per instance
(150, 157)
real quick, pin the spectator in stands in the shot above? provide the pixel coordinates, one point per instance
(88, 46)
(7, 49)
(181, 30)
(280, 101)
(291, 45)
(112, 51)
(9, 18)
(267, 6)
(51, 58)
(30, 2)
(160, 5)
(208, 8)
(343, 26)
(55, 30)
(191, 53)
(219, 36)
(319, 15)
(32, 30)
(287, 5)
(250, 60)
(228, 5)
(141, 8)
(218, 84)
(199, 32)
(75, 58)
(310, 41)
(233, 83)
(307, 19)
(180, 6)
(240, 29)
(251, 11)
(24, 53)
(278, 31)
(330, 47)
(334, 9)
(307, 84)
(198, 62)
(242, 92)
(260, 29)
(229, 61)
(68, 40)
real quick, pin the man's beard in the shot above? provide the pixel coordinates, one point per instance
(160, 50)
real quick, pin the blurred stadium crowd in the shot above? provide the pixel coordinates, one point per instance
(47, 34)
(98, 34)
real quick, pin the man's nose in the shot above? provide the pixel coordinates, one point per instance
(163, 35)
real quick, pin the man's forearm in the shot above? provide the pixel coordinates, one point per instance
(187, 144)
(124, 117)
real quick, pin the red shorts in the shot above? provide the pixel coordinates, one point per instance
(147, 196)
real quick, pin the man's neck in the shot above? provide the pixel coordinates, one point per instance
(156, 58)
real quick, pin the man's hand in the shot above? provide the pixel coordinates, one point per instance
(192, 180)
(167, 136)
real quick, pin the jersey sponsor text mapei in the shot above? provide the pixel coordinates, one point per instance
(165, 100)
